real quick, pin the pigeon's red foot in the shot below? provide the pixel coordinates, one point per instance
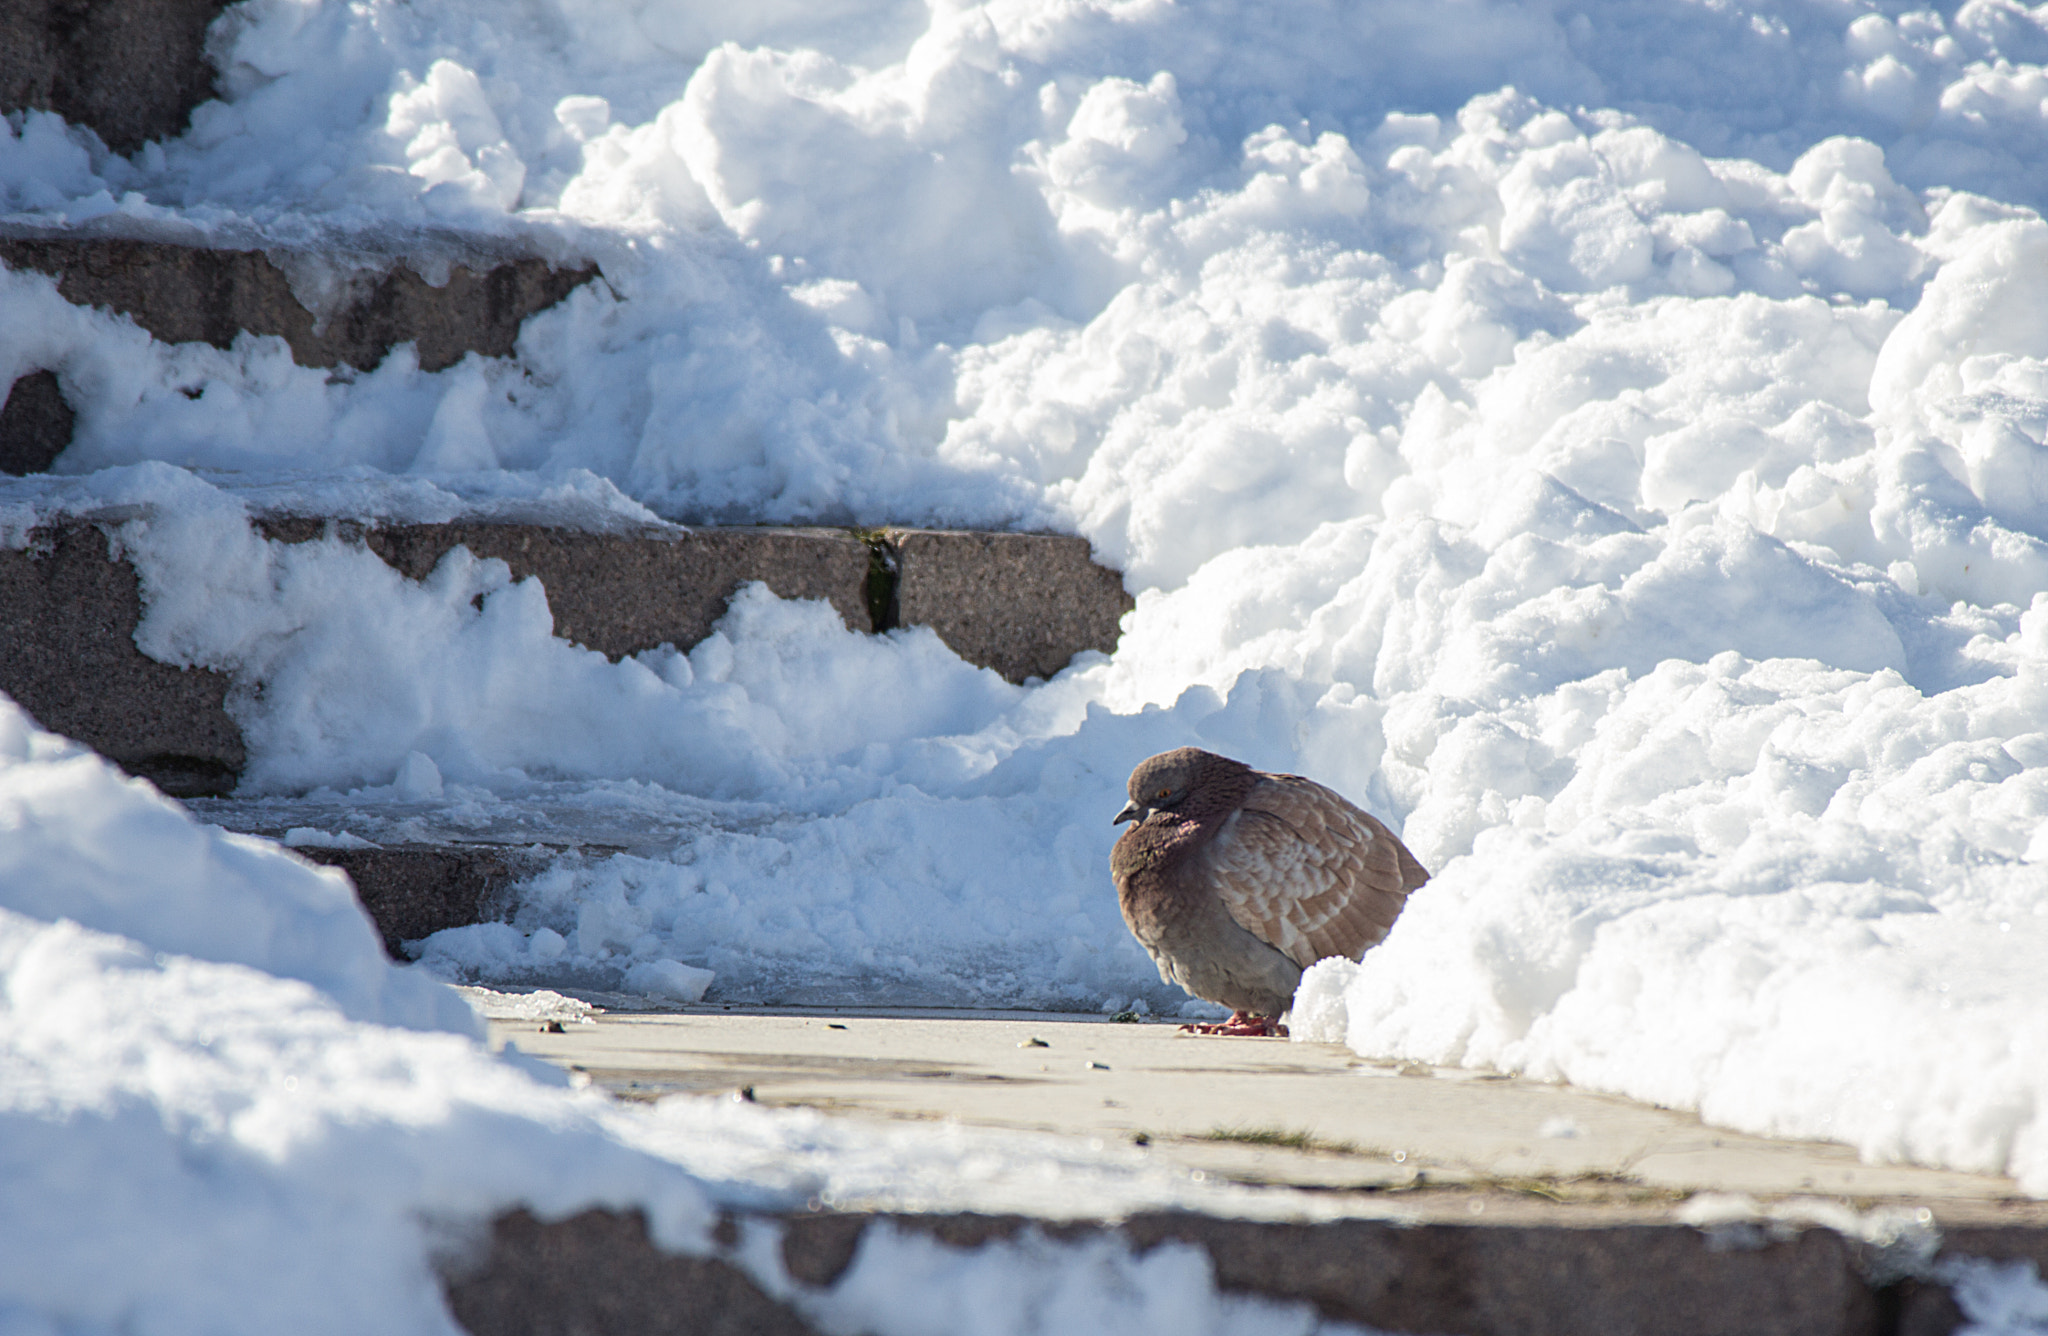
(1243, 1024)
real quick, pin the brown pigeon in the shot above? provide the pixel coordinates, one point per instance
(1236, 880)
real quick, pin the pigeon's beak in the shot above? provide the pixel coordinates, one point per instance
(1131, 812)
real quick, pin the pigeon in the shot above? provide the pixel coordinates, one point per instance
(1236, 880)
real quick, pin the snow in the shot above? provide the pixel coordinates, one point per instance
(542, 1004)
(2006, 1299)
(1033, 1284)
(220, 1098)
(106, 854)
(1607, 442)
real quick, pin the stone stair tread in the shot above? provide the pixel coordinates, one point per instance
(1260, 1112)
(1021, 604)
(210, 292)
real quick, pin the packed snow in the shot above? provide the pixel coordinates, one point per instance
(1605, 440)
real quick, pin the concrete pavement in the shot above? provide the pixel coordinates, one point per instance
(1252, 1111)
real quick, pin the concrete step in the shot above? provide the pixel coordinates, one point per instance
(621, 592)
(1268, 1113)
(1021, 604)
(133, 70)
(1403, 1197)
(413, 891)
(68, 613)
(598, 1273)
(195, 294)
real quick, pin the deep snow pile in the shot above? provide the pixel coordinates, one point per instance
(1607, 441)
(220, 1100)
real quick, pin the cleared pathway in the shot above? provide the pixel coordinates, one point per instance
(1248, 1110)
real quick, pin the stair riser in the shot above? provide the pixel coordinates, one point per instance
(1022, 604)
(599, 1272)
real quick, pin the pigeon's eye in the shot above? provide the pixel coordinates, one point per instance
(1161, 794)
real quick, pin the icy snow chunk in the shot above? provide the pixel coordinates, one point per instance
(1887, 86)
(311, 837)
(584, 116)
(670, 980)
(841, 301)
(458, 439)
(418, 779)
(541, 1004)
(1117, 139)
(1659, 174)
(1855, 245)
(1319, 1014)
(43, 162)
(1568, 224)
(906, 210)
(1986, 300)
(453, 140)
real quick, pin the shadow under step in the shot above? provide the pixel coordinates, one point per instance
(411, 891)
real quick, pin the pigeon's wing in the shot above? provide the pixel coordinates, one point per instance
(1301, 868)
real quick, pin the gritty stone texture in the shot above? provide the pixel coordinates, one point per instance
(1997, 1243)
(817, 1249)
(620, 593)
(597, 1274)
(414, 891)
(133, 70)
(1533, 1281)
(1022, 604)
(187, 294)
(35, 424)
(1468, 1280)
(68, 613)
(1925, 1308)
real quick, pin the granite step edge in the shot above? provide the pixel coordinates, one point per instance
(598, 1272)
(1023, 605)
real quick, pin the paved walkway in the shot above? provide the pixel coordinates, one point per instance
(1257, 1111)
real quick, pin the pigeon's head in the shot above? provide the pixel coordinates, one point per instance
(1164, 782)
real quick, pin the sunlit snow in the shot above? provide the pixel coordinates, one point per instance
(1607, 441)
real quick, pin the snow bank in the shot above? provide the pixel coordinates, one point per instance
(210, 1113)
(111, 856)
(1610, 444)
